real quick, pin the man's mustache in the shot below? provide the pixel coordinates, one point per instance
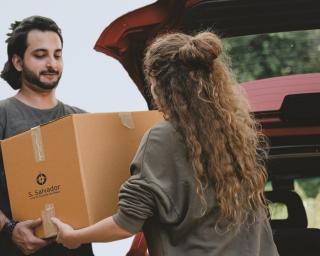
(49, 72)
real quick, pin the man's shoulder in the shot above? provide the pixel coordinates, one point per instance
(71, 109)
(6, 103)
(5, 108)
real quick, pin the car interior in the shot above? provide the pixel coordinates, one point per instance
(294, 160)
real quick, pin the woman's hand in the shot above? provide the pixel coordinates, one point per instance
(66, 234)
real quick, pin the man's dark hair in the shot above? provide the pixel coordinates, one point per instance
(17, 44)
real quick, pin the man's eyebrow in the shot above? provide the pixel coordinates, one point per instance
(45, 50)
(40, 50)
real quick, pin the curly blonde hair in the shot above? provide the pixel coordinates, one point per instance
(197, 93)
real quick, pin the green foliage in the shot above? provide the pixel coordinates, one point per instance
(278, 211)
(275, 54)
(268, 186)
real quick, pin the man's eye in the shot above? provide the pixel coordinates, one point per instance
(58, 55)
(39, 56)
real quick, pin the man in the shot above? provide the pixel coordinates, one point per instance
(34, 68)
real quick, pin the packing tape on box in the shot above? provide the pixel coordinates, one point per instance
(49, 228)
(127, 120)
(37, 144)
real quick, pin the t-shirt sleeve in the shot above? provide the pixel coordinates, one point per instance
(144, 194)
(2, 122)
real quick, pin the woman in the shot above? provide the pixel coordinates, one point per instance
(197, 178)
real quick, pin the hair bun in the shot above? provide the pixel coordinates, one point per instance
(212, 40)
(200, 51)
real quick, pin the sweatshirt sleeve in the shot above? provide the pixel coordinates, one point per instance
(145, 193)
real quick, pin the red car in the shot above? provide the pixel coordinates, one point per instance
(275, 51)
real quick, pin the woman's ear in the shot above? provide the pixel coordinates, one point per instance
(17, 62)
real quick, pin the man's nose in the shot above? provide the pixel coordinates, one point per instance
(52, 62)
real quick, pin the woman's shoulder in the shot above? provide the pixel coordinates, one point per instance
(163, 127)
(163, 130)
(163, 135)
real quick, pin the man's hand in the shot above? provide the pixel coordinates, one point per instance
(3, 220)
(23, 236)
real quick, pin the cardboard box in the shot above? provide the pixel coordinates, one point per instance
(76, 164)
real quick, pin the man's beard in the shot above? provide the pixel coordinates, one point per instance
(35, 81)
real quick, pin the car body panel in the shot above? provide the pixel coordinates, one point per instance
(268, 94)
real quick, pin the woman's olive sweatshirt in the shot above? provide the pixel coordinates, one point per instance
(160, 199)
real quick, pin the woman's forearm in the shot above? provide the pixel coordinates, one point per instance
(105, 230)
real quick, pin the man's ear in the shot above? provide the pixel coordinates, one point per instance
(17, 62)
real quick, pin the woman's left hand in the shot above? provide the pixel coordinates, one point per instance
(66, 234)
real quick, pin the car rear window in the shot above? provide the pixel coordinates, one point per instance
(274, 54)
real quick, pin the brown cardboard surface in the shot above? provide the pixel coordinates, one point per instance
(76, 163)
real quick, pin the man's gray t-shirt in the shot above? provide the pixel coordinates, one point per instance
(17, 117)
